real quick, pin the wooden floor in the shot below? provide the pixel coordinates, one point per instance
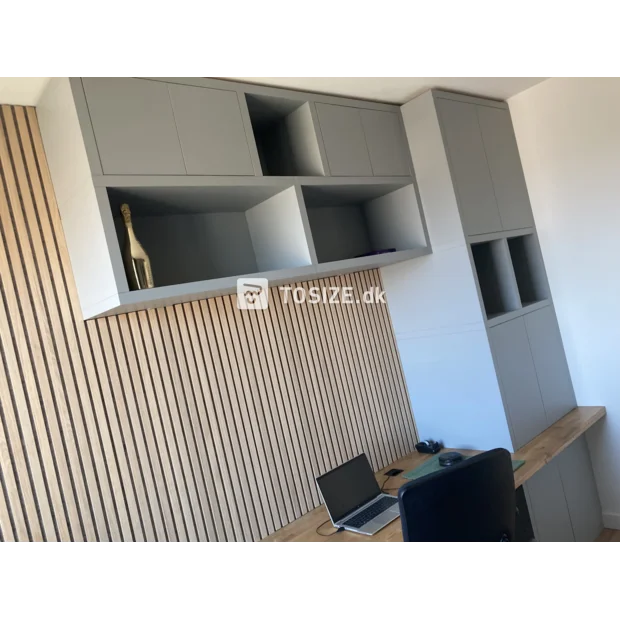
(609, 536)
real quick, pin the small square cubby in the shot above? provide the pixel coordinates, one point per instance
(529, 269)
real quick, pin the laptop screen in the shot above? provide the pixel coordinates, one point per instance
(348, 487)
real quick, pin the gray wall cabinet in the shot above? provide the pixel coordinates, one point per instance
(504, 163)
(548, 507)
(386, 143)
(582, 499)
(134, 126)
(211, 131)
(470, 172)
(518, 380)
(345, 143)
(554, 380)
(485, 165)
(216, 174)
(563, 499)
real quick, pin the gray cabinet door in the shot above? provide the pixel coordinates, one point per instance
(547, 349)
(582, 498)
(343, 137)
(505, 165)
(468, 166)
(211, 131)
(517, 377)
(385, 139)
(547, 504)
(134, 126)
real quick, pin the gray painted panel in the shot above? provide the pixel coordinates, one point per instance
(518, 380)
(343, 137)
(278, 234)
(548, 507)
(550, 362)
(339, 232)
(386, 143)
(192, 248)
(211, 131)
(500, 146)
(134, 126)
(582, 498)
(468, 166)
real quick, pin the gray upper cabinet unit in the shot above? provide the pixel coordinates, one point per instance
(211, 131)
(547, 349)
(504, 163)
(385, 139)
(468, 167)
(344, 140)
(134, 126)
(518, 381)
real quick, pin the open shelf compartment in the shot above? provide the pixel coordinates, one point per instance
(349, 221)
(194, 234)
(286, 136)
(529, 269)
(496, 278)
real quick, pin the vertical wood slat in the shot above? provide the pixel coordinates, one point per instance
(192, 422)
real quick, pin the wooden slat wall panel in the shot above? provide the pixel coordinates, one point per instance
(175, 423)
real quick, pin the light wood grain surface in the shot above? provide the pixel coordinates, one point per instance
(536, 455)
(174, 423)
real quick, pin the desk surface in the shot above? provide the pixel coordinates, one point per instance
(536, 455)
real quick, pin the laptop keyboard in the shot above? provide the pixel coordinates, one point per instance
(371, 512)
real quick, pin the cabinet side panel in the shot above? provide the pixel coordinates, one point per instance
(304, 142)
(278, 233)
(96, 268)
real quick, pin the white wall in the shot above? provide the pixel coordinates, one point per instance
(568, 132)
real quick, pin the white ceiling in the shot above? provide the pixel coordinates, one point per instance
(21, 90)
(400, 89)
(26, 91)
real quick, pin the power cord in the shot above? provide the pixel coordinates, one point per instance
(340, 529)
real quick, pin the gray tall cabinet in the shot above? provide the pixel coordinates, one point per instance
(482, 353)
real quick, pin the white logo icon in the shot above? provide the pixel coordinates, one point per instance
(252, 293)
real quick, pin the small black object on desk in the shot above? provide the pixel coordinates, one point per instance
(450, 458)
(428, 446)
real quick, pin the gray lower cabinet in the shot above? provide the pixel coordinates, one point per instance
(549, 358)
(344, 140)
(580, 490)
(385, 139)
(504, 163)
(134, 126)
(548, 507)
(468, 167)
(211, 131)
(518, 380)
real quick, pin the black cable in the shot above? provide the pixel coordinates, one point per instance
(340, 529)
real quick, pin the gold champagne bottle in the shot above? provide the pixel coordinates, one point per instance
(137, 262)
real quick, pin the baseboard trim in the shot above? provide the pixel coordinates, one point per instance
(611, 520)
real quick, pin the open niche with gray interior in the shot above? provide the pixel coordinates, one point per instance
(529, 269)
(495, 277)
(348, 221)
(202, 233)
(285, 136)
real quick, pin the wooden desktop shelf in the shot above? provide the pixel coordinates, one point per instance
(536, 454)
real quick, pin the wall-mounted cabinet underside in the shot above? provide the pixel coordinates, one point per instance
(200, 239)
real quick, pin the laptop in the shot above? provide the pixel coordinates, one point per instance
(354, 500)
